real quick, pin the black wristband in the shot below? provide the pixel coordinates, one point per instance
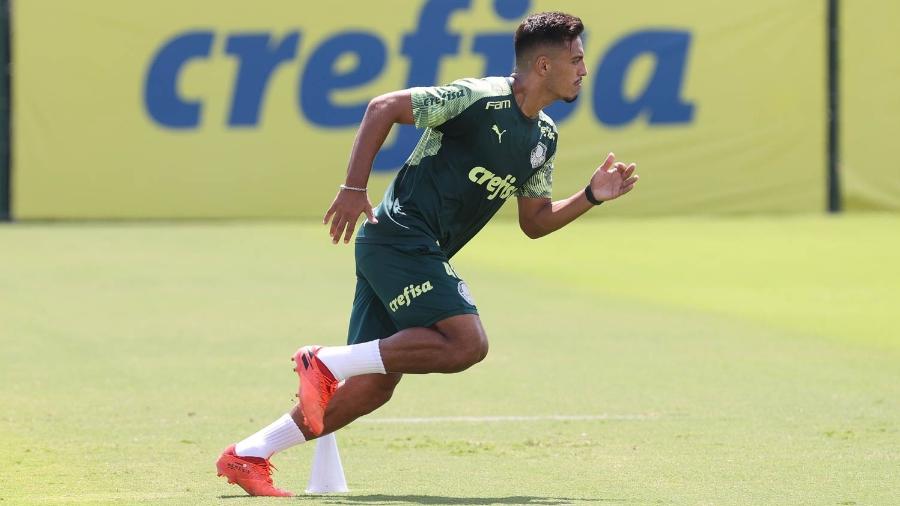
(590, 196)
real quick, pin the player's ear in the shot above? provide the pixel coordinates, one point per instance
(542, 65)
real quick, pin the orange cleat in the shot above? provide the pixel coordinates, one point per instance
(317, 386)
(253, 474)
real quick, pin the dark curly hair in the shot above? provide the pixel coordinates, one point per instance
(545, 28)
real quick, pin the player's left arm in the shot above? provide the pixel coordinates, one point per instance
(541, 216)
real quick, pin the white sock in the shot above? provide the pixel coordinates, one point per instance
(280, 435)
(352, 360)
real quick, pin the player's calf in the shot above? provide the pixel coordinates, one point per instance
(359, 396)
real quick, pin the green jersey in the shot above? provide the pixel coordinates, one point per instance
(477, 150)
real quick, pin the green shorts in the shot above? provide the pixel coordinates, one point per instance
(399, 286)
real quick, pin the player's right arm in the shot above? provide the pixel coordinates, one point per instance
(539, 216)
(381, 115)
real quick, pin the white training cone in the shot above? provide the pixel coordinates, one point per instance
(327, 476)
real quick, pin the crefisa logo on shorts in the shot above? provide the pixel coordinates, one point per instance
(409, 293)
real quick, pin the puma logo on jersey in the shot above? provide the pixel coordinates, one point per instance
(499, 134)
(397, 208)
(498, 104)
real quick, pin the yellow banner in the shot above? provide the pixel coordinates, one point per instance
(215, 108)
(870, 104)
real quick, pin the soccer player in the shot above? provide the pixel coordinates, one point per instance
(484, 140)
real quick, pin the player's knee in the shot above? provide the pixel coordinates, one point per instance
(469, 351)
(386, 387)
(379, 390)
(481, 350)
(467, 343)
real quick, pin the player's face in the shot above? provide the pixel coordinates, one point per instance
(569, 69)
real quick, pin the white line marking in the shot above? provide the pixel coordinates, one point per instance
(481, 419)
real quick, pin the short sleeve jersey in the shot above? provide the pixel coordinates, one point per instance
(477, 150)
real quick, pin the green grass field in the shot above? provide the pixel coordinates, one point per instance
(730, 361)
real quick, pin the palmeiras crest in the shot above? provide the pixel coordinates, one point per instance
(538, 155)
(464, 292)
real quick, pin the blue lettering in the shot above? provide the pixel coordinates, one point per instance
(499, 54)
(661, 97)
(161, 97)
(511, 10)
(258, 57)
(321, 77)
(497, 48)
(560, 111)
(425, 48)
(260, 54)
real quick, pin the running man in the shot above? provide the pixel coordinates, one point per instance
(484, 140)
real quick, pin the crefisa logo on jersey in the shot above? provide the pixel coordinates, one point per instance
(493, 183)
(538, 155)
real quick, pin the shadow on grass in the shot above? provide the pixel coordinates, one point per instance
(381, 499)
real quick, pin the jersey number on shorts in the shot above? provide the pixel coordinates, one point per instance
(450, 271)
